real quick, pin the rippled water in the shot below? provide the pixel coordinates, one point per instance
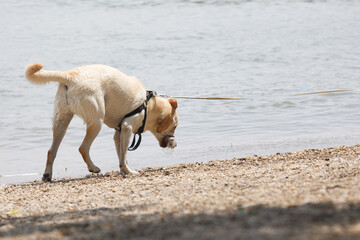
(262, 50)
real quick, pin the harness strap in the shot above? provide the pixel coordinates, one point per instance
(134, 145)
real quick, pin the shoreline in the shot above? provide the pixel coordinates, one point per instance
(310, 194)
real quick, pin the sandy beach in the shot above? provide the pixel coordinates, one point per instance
(311, 194)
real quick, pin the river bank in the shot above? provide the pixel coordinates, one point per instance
(311, 194)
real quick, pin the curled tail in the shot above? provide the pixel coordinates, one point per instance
(35, 75)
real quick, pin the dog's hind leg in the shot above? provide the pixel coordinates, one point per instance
(92, 131)
(61, 122)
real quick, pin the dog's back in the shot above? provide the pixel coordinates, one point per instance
(93, 91)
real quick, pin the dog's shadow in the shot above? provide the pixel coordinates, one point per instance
(76, 179)
(114, 174)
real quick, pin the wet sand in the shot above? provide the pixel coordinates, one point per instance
(312, 194)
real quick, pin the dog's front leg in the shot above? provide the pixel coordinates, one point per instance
(121, 144)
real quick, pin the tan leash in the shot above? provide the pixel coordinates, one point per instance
(205, 98)
(237, 99)
(312, 93)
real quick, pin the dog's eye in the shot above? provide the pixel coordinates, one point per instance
(175, 127)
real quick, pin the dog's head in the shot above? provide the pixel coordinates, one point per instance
(166, 122)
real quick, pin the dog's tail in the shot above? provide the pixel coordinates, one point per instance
(35, 75)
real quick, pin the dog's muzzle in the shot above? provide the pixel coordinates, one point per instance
(168, 141)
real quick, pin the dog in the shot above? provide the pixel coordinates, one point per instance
(102, 94)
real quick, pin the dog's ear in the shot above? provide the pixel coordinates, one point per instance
(163, 123)
(173, 103)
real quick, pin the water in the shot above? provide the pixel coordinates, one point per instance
(262, 50)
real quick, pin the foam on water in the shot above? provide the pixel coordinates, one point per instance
(168, 151)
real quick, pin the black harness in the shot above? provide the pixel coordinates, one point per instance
(133, 146)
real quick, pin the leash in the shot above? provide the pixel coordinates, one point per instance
(237, 99)
(204, 98)
(312, 93)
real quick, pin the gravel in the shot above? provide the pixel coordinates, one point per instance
(311, 194)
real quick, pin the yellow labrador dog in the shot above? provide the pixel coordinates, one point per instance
(102, 94)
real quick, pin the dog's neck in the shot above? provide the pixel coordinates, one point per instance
(154, 109)
(151, 106)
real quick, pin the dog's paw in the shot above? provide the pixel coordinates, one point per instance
(132, 172)
(128, 171)
(46, 177)
(94, 169)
